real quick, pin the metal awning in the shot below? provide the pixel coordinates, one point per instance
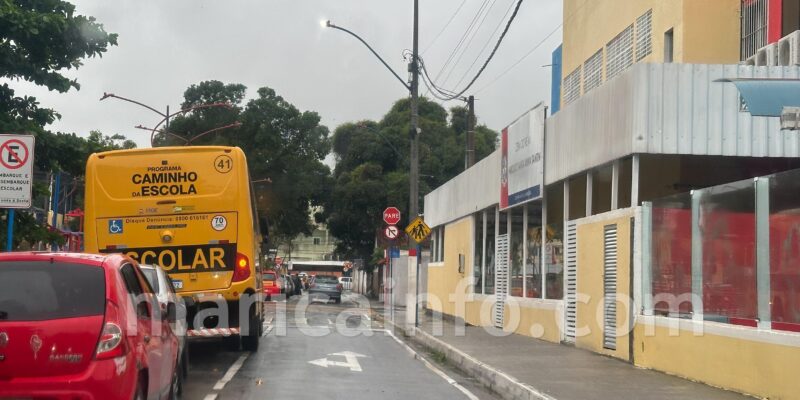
(767, 97)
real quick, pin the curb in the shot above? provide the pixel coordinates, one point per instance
(505, 385)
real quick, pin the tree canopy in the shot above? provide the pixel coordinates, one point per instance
(284, 146)
(39, 40)
(372, 166)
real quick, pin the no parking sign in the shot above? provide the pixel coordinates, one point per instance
(16, 170)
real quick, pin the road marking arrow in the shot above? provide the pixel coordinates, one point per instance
(352, 361)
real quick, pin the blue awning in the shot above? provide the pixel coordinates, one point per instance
(767, 97)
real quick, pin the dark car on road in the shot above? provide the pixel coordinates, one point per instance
(326, 287)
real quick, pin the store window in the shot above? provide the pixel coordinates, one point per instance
(477, 254)
(516, 222)
(533, 262)
(727, 228)
(784, 250)
(671, 255)
(488, 276)
(554, 249)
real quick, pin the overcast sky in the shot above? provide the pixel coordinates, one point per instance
(167, 45)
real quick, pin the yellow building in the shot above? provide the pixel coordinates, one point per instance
(603, 38)
(642, 128)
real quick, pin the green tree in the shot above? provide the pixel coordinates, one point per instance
(372, 168)
(39, 40)
(283, 145)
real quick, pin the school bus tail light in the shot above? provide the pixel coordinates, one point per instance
(242, 269)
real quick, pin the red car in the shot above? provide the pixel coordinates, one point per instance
(71, 327)
(272, 286)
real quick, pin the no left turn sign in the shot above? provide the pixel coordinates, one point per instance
(391, 232)
(16, 170)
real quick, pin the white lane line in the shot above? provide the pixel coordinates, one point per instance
(432, 367)
(267, 331)
(231, 372)
(212, 396)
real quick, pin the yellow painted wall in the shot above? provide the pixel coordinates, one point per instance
(591, 288)
(761, 369)
(444, 281)
(712, 30)
(446, 284)
(537, 322)
(705, 31)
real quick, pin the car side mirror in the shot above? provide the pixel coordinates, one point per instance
(172, 312)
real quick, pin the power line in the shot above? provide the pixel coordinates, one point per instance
(445, 27)
(468, 43)
(520, 60)
(485, 45)
(488, 59)
(463, 37)
(539, 44)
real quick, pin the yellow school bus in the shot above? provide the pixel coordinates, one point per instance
(191, 211)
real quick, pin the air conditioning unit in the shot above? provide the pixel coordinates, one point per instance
(750, 61)
(767, 56)
(789, 50)
(790, 118)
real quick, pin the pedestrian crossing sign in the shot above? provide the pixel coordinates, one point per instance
(418, 230)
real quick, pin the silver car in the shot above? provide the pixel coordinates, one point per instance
(169, 301)
(326, 287)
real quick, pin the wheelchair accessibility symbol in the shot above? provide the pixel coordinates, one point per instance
(115, 226)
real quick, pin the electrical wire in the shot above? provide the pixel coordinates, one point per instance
(485, 45)
(536, 47)
(539, 44)
(485, 64)
(467, 44)
(445, 27)
(463, 37)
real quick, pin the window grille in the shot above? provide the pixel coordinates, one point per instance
(754, 27)
(593, 72)
(619, 53)
(572, 86)
(644, 35)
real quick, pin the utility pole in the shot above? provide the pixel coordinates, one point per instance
(413, 205)
(413, 201)
(470, 158)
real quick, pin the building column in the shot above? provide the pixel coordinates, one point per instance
(589, 185)
(635, 163)
(763, 277)
(615, 185)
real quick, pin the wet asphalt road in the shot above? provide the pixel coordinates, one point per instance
(320, 351)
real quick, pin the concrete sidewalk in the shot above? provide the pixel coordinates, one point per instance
(519, 367)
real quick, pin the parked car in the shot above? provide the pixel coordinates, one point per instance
(73, 325)
(288, 286)
(270, 283)
(347, 282)
(165, 293)
(326, 287)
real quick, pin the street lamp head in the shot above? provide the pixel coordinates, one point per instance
(325, 23)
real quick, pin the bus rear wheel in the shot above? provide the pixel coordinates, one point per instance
(250, 342)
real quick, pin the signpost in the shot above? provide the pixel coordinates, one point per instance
(16, 177)
(418, 230)
(391, 232)
(391, 215)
